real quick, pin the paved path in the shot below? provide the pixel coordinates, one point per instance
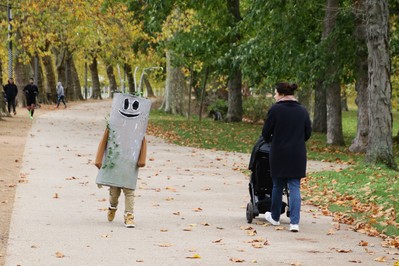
(190, 208)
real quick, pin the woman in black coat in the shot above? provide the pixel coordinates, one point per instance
(287, 127)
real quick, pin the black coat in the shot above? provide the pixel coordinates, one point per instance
(287, 127)
(31, 91)
(11, 91)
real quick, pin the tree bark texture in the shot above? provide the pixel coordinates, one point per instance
(75, 81)
(95, 79)
(380, 148)
(320, 109)
(112, 80)
(234, 111)
(42, 97)
(150, 91)
(332, 82)
(3, 109)
(305, 98)
(234, 84)
(51, 92)
(174, 97)
(360, 142)
(130, 79)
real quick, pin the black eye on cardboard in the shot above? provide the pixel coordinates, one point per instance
(135, 105)
(126, 104)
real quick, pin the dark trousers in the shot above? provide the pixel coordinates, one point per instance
(61, 98)
(11, 103)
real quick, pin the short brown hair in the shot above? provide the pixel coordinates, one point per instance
(285, 88)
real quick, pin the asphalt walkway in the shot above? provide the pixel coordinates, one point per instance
(190, 208)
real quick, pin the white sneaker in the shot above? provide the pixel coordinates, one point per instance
(268, 217)
(294, 228)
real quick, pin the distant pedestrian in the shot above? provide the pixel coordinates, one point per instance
(287, 127)
(31, 92)
(11, 92)
(60, 94)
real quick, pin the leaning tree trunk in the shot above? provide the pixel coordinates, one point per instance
(360, 142)
(130, 79)
(112, 80)
(51, 92)
(95, 79)
(380, 148)
(234, 111)
(175, 88)
(150, 91)
(332, 83)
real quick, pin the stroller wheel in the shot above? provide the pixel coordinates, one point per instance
(250, 212)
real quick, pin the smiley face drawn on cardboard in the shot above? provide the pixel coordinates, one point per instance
(130, 107)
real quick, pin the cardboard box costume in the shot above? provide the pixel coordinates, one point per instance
(123, 147)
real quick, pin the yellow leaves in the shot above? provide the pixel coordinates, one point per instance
(380, 259)
(363, 243)
(165, 245)
(194, 256)
(237, 260)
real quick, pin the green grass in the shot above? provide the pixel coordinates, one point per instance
(366, 194)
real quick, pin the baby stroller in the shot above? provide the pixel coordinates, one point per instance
(261, 184)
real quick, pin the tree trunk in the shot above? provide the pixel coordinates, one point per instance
(75, 81)
(130, 79)
(150, 92)
(360, 142)
(42, 97)
(234, 84)
(51, 92)
(332, 82)
(3, 109)
(380, 148)
(305, 98)
(320, 108)
(234, 111)
(175, 87)
(95, 79)
(112, 80)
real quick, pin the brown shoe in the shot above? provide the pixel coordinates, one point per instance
(129, 220)
(111, 213)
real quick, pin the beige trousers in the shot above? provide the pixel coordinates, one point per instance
(115, 192)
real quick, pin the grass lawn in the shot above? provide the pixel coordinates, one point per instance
(362, 195)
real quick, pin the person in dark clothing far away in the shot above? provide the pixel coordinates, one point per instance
(287, 127)
(11, 92)
(31, 92)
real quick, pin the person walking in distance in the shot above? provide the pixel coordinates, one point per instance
(287, 127)
(31, 91)
(11, 91)
(60, 94)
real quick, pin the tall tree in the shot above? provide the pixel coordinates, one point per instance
(380, 148)
(234, 111)
(332, 82)
(94, 78)
(360, 142)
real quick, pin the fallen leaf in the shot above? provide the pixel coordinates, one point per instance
(59, 255)
(169, 198)
(236, 260)
(197, 209)
(246, 227)
(205, 224)
(217, 241)
(194, 256)
(33, 246)
(279, 228)
(164, 230)
(355, 261)
(252, 232)
(187, 229)
(165, 245)
(103, 199)
(363, 243)
(176, 213)
(344, 250)
(5, 201)
(105, 236)
(296, 263)
(380, 259)
(257, 245)
(139, 260)
(55, 196)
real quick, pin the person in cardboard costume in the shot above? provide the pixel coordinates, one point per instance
(122, 151)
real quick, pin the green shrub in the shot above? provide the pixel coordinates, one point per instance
(255, 108)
